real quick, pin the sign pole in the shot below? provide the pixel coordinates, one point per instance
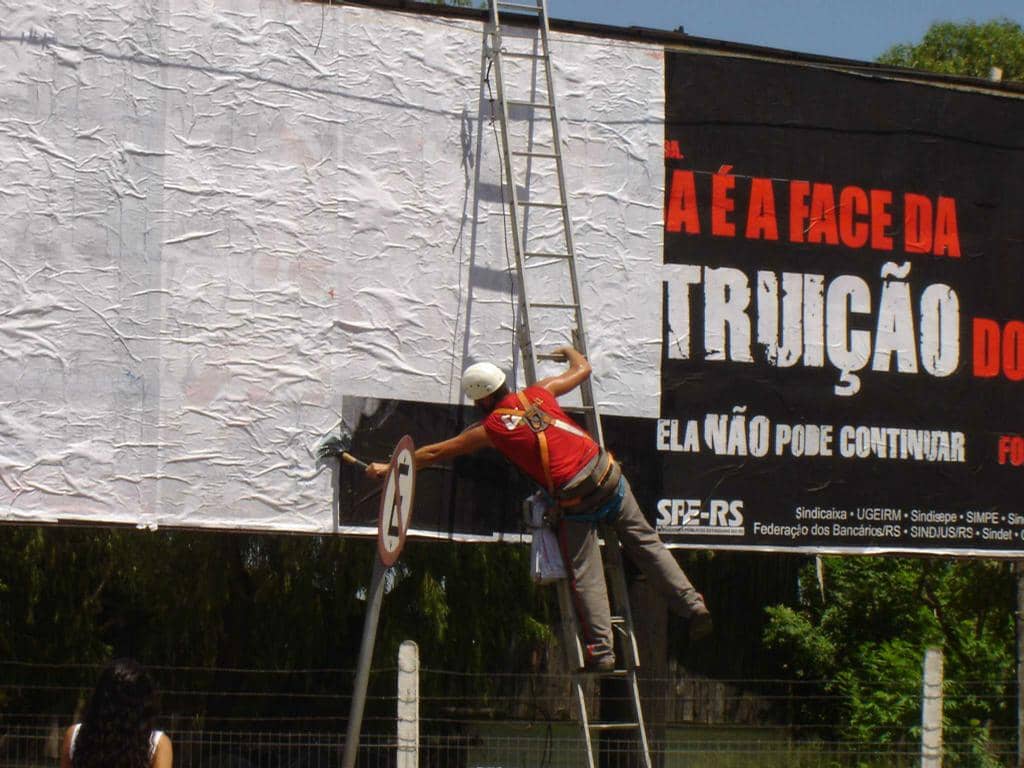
(392, 525)
(355, 718)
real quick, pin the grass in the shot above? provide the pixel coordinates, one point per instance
(558, 745)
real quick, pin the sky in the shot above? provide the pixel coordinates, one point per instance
(861, 29)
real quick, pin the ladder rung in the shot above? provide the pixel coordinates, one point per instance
(544, 255)
(575, 410)
(614, 726)
(532, 204)
(521, 55)
(557, 359)
(609, 673)
(553, 305)
(535, 104)
(520, 6)
(523, 153)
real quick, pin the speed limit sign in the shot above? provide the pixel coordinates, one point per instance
(396, 502)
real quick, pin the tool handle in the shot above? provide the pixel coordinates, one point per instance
(348, 457)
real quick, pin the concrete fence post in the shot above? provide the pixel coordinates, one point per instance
(408, 705)
(931, 710)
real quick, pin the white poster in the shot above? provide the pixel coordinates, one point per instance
(219, 220)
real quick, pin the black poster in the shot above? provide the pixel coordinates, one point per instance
(843, 358)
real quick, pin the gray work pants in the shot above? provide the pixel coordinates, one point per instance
(581, 551)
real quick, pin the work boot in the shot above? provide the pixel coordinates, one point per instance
(605, 663)
(700, 624)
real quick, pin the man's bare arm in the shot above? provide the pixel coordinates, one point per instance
(578, 371)
(470, 441)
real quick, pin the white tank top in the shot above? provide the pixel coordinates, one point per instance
(154, 738)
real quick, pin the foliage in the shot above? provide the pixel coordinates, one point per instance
(791, 634)
(965, 49)
(865, 641)
(225, 601)
(47, 603)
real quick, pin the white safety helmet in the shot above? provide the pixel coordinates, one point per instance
(481, 380)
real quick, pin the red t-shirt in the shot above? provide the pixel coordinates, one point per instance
(569, 446)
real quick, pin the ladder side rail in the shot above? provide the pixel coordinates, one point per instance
(613, 549)
(581, 705)
(526, 338)
(525, 342)
(641, 726)
(570, 626)
(580, 340)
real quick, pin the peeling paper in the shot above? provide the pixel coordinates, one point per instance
(218, 221)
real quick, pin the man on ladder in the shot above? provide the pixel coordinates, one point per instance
(586, 487)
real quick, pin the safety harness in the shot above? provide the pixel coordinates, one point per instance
(596, 490)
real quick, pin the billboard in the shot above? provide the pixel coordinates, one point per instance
(844, 352)
(224, 230)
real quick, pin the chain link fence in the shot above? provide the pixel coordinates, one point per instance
(296, 719)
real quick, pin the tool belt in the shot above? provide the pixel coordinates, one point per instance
(593, 486)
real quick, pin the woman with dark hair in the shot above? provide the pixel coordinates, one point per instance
(117, 729)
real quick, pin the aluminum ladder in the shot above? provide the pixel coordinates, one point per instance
(549, 301)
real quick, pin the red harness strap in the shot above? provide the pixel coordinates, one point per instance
(538, 421)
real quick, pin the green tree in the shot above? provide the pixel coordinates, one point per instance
(861, 649)
(218, 602)
(965, 49)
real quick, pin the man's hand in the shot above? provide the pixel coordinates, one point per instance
(577, 372)
(377, 470)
